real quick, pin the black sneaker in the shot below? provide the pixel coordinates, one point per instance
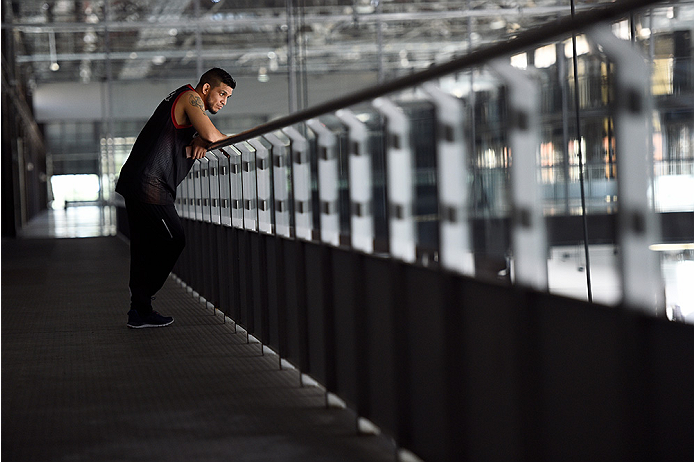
(153, 319)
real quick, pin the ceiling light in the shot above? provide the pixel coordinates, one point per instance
(582, 47)
(676, 247)
(54, 55)
(520, 61)
(545, 56)
(89, 37)
(497, 24)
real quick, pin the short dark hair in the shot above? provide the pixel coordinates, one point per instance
(215, 76)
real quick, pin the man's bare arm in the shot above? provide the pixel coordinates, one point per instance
(195, 110)
(197, 148)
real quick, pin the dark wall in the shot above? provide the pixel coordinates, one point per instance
(24, 189)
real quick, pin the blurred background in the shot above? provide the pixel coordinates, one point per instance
(80, 78)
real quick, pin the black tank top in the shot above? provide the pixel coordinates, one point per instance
(157, 162)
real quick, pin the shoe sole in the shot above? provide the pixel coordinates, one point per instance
(142, 326)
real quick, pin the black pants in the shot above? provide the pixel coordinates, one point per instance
(156, 241)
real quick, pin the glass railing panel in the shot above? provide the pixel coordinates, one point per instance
(358, 206)
(489, 183)
(213, 164)
(224, 178)
(333, 178)
(197, 191)
(400, 180)
(181, 198)
(282, 183)
(304, 184)
(367, 175)
(235, 186)
(461, 172)
(189, 204)
(264, 185)
(249, 185)
(455, 243)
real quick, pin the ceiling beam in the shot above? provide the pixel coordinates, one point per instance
(245, 23)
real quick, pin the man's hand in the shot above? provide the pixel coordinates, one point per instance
(197, 149)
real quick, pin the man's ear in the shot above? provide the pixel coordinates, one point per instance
(206, 88)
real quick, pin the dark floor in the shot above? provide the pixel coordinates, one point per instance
(78, 385)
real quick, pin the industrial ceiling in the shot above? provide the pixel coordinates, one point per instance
(89, 41)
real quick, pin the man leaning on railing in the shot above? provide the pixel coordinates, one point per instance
(177, 134)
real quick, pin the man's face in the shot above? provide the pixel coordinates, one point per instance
(217, 97)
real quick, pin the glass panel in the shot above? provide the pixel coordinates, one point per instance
(282, 183)
(398, 144)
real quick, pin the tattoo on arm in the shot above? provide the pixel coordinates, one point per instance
(196, 101)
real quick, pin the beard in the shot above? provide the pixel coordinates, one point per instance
(210, 106)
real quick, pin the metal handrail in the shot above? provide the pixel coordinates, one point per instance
(560, 27)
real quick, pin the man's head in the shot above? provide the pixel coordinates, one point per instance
(215, 86)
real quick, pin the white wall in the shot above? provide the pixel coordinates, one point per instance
(137, 100)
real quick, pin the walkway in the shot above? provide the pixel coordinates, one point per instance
(78, 385)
